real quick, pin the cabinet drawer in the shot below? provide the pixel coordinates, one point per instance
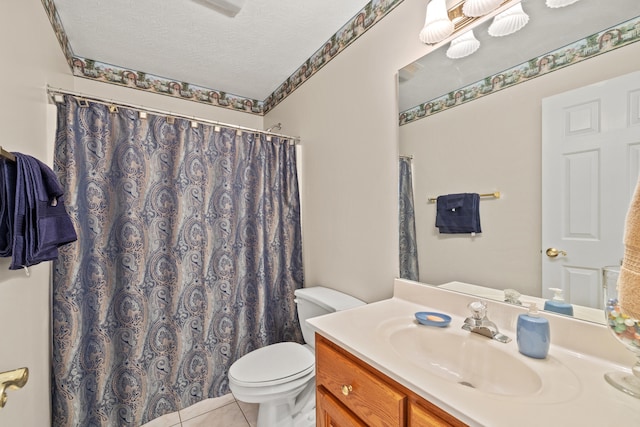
(331, 413)
(357, 387)
(433, 417)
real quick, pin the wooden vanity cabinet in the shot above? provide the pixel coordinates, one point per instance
(349, 392)
(421, 413)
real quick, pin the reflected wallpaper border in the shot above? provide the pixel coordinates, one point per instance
(599, 43)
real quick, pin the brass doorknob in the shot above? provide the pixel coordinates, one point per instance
(346, 389)
(553, 252)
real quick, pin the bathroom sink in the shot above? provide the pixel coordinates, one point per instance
(468, 359)
(476, 362)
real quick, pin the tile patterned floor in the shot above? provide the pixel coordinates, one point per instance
(223, 411)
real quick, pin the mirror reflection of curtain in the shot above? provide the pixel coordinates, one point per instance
(189, 250)
(408, 243)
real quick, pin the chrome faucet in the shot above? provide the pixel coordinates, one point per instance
(480, 324)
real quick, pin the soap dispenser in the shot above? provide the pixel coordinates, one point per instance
(558, 303)
(533, 334)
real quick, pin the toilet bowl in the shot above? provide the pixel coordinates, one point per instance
(281, 377)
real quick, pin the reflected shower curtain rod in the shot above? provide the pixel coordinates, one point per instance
(57, 91)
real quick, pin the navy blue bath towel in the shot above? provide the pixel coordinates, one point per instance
(7, 205)
(34, 222)
(458, 213)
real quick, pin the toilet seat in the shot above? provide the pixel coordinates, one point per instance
(271, 365)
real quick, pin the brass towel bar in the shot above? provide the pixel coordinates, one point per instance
(495, 195)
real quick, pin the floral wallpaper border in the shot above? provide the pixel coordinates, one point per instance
(605, 41)
(372, 13)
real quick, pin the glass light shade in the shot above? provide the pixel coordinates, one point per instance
(474, 8)
(559, 3)
(509, 21)
(463, 46)
(437, 25)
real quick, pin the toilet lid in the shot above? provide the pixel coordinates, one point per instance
(273, 364)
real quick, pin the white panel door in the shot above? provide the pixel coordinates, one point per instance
(590, 163)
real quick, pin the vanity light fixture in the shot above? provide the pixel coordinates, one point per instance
(476, 8)
(442, 21)
(559, 3)
(463, 45)
(509, 21)
(437, 25)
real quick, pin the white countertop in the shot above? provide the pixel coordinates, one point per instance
(573, 392)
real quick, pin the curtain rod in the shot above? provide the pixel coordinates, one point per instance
(57, 91)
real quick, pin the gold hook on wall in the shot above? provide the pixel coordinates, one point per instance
(6, 154)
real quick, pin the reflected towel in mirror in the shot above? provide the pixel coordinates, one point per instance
(458, 213)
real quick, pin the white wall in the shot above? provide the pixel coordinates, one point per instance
(490, 144)
(347, 117)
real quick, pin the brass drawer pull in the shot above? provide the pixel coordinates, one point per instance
(346, 389)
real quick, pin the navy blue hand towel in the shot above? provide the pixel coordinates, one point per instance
(458, 213)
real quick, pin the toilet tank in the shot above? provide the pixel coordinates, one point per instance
(318, 300)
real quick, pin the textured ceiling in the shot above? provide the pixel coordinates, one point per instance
(249, 55)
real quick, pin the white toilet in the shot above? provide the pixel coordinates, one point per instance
(280, 377)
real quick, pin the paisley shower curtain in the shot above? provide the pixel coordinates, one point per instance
(188, 253)
(408, 243)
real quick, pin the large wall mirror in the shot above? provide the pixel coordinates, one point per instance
(488, 139)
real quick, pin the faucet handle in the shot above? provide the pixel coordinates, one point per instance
(512, 296)
(478, 309)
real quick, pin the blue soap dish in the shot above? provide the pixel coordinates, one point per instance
(433, 319)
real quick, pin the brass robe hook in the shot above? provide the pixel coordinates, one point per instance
(12, 380)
